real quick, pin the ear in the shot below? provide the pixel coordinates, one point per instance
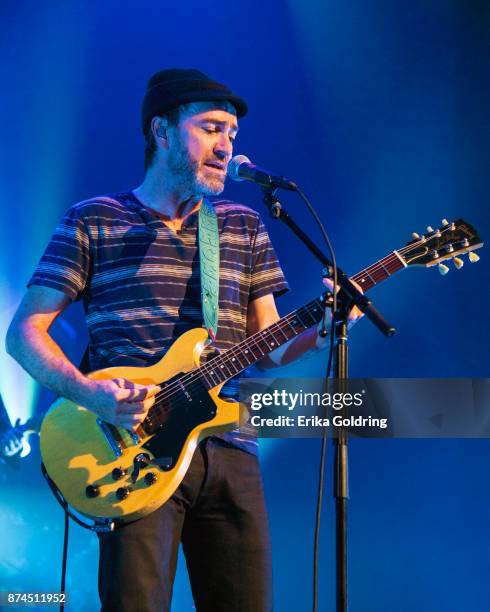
(159, 127)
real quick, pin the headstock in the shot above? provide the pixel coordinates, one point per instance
(445, 243)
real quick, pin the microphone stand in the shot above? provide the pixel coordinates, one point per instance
(350, 296)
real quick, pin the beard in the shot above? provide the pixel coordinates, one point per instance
(191, 175)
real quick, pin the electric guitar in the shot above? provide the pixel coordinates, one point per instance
(110, 473)
(14, 444)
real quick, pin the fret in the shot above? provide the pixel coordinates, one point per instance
(247, 354)
(280, 341)
(223, 368)
(313, 320)
(290, 324)
(255, 339)
(280, 328)
(297, 323)
(269, 337)
(385, 268)
(206, 379)
(238, 355)
(254, 349)
(298, 316)
(364, 282)
(378, 275)
(397, 254)
(234, 363)
(213, 374)
(369, 276)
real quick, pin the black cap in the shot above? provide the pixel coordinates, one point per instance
(170, 88)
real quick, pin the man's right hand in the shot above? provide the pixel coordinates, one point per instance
(119, 401)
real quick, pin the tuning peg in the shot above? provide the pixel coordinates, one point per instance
(443, 269)
(473, 257)
(415, 236)
(429, 228)
(445, 222)
(459, 263)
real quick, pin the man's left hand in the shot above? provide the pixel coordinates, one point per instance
(354, 313)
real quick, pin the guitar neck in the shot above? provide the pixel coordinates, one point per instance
(254, 348)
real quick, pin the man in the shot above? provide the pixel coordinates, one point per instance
(133, 258)
(11, 443)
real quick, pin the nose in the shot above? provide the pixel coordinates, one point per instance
(224, 147)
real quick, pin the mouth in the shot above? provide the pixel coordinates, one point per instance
(217, 166)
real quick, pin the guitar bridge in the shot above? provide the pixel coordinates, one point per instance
(112, 436)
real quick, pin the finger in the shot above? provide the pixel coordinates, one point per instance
(130, 408)
(130, 422)
(152, 390)
(328, 282)
(138, 392)
(354, 316)
(125, 383)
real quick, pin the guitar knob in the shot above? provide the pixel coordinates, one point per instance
(459, 263)
(429, 228)
(92, 491)
(415, 236)
(122, 493)
(473, 257)
(445, 222)
(150, 478)
(118, 473)
(443, 269)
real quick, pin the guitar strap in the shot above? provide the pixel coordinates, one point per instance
(209, 266)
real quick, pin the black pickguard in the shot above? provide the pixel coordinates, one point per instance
(187, 408)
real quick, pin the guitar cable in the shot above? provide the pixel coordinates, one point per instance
(95, 526)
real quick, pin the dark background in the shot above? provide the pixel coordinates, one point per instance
(379, 110)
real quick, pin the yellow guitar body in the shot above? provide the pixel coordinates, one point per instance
(77, 454)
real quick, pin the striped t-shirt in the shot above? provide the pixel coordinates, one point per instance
(140, 281)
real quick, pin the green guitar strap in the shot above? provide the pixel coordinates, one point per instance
(209, 266)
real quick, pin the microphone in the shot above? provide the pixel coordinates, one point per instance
(241, 168)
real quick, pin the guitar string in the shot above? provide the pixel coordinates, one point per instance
(207, 368)
(370, 271)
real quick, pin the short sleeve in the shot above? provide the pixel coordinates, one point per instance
(65, 263)
(267, 275)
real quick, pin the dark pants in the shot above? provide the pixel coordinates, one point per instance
(218, 512)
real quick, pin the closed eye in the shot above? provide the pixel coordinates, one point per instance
(215, 128)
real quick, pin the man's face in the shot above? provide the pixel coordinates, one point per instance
(200, 147)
